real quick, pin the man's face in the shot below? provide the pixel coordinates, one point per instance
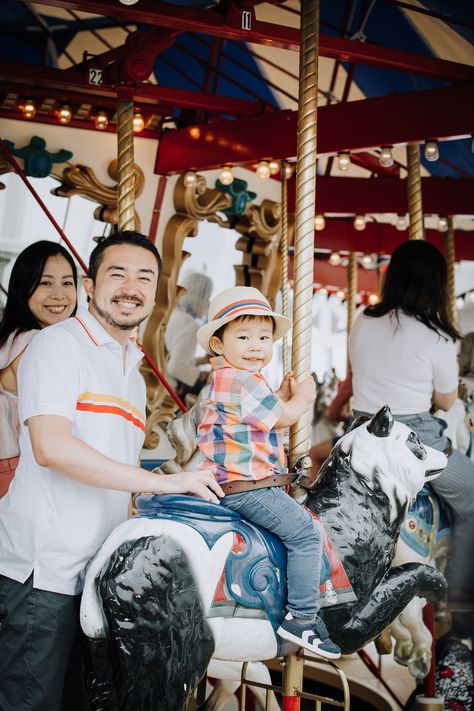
(123, 294)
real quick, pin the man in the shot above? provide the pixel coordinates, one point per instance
(82, 409)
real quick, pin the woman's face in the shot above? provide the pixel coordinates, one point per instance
(54, 298)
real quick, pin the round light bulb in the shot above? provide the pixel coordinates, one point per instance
(340, 293)
(274, 166)
(367, 260)
(386, 157)
(226, 176)
(359, 223)
(263, 170)
(431, 150)
(373, 299)
(64, 114)
(319, 222)
(129, 2)
(29, 109)
(344, 160)
(189, 179)
(101, 121)
(402, 223)
(442, 223)
(288, 171)
(323, 291)
(138, 122)
(335, 259)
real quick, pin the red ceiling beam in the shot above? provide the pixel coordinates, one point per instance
(353, 126)
(379, 238)
(326, 274)
(230, 26)
(441, 196)
(20, 78)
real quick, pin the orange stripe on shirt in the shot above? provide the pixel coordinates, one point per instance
(86, 330)
(103, 397)
(111, 410)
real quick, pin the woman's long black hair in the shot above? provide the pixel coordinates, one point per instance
(416, 282)
(24, 280)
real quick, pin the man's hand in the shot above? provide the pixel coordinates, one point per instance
(201, 484)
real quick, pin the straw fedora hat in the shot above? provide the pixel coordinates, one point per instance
(234, 302)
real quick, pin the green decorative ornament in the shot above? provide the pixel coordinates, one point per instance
(239, 194)
(38, 162)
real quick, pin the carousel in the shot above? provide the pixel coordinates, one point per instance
(288, 146)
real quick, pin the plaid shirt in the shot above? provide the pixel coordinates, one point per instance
(236, 437)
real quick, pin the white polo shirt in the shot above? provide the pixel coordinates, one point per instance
(50, 524)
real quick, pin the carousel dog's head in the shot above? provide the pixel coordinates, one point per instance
(390, 451)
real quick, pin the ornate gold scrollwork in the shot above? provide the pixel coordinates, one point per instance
(259, 241)
(81, 180)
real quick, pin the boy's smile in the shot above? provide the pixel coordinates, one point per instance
(247, 343)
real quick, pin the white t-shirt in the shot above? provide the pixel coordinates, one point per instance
(399, 363)
(52, 525)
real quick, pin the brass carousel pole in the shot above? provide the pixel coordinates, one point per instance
(449, 253)
(351, 297)
(303, 265)
(126, 173)
(415, 205)
(284, 259)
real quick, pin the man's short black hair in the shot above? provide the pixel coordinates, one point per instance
(117, 238)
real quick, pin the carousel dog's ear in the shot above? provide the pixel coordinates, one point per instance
(357, 421)
(381, 423)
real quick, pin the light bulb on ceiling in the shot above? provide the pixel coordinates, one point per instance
(442, 223)
(101, 120)
(226, 177)
(64, 114)
(263, 170)
(289, 171)
(402, 223)
(373, 299)
(386, 157)
(319, 222)
(367, 260)
(340, 293)
(359, 223)
(274, 166)
(138, 122)
(335, 259)
(29, 109)
(431, 150)
(189, 179)
(343, 160)
(323, 291)
(129, 2)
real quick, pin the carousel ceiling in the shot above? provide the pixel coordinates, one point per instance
(217, 82)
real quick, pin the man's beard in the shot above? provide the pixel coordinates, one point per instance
(112, 322)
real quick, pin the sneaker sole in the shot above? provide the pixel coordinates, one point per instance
(297, 640)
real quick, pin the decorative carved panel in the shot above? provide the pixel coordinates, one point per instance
(259, 242)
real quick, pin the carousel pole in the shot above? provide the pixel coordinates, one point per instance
(415, 205)
(284, 259)
(449, 253)
(126, 172)
(303, 266)
(351, 297)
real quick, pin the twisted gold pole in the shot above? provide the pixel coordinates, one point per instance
(415, 206)
(126, 174)
(305, 210)
(284, 259)
(351, 296)
(449, 253)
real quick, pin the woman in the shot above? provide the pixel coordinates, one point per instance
(42, 291)
(403, 354)
(182, 367)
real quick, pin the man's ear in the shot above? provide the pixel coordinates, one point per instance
(216, 345)
(88, 285)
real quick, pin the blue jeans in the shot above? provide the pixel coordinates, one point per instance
(276, 511)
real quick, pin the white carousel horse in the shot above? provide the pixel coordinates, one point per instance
(188, 581)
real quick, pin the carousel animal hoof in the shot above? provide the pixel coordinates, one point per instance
(419, 661)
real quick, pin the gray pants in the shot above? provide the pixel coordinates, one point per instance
(455, 485)
(37, 631)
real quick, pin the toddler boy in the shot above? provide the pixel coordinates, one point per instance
(240, 441)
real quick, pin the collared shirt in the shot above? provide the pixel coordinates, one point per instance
(52, 525)
(237, 436)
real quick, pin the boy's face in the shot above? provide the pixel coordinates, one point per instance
(246, 344)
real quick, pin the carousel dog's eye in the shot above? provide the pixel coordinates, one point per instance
(414, 445)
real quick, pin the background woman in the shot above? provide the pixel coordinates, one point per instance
(403, 354)
(42, 291)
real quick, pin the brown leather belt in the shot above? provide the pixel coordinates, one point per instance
(237, 487)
